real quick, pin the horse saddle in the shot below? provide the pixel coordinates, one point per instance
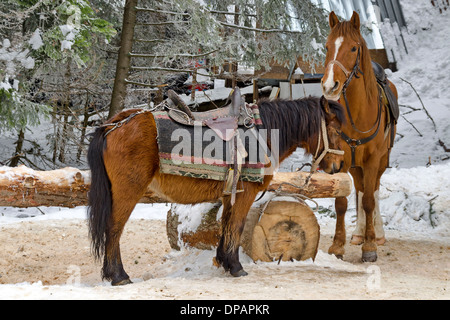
(389, 97)
(224, 121)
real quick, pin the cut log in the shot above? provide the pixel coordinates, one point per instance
(286, 230)
(68, 187)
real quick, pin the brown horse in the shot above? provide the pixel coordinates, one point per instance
(125, 162)
(367, 135)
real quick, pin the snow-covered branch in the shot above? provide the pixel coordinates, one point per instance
(178, 55)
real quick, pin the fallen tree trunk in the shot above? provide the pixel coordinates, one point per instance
(68, 187)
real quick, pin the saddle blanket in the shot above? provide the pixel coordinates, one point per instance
(198, 152)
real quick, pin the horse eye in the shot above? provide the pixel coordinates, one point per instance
(353, 49)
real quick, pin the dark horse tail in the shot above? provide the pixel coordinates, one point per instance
(100, 200)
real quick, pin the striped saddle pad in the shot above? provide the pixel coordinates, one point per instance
(198, 152)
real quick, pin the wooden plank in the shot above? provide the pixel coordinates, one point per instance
(274, 93)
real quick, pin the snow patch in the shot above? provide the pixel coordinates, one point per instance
(36, 40)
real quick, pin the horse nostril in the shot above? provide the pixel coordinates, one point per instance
(333, 168)
(336, 86)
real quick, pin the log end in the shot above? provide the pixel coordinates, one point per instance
(286, 231)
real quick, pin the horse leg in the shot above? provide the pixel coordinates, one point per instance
(378, 220)
(112, 264)
(130, 174)
(369, 248)
(233, 221)
(126, 193)
(340, 204)
(337, 248)
(360, 229)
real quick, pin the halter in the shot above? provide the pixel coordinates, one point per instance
(316, 159)
(326, 149)
(353, 143)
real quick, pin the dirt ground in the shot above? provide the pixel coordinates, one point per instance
(57, 252)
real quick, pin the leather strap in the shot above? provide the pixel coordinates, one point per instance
(326, 149)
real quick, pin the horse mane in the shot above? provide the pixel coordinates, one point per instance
(346, 29)
(297, 120)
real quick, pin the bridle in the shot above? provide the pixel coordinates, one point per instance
(316, 159)
(353, 143)
(326, 149)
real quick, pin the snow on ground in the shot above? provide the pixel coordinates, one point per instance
(414, 194)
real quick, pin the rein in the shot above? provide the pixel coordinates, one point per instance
(353, 143)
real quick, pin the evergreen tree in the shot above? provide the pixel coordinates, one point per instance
(253, 33)
(41, 41)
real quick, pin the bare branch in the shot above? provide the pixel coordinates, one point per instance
(162, 11)
(412, 126)
(426, 111)
(178, 55)
(230, 25)
(160, 23)
(442, 144)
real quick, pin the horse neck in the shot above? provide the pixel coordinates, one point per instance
(305, 144)
(362, 100)
(290, 137)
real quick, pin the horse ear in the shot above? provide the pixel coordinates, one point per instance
(355, 20)
(324, 104)
(333, 19)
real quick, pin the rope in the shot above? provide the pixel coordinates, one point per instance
(118, 124)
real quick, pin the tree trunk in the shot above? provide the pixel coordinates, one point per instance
(65, 111)
(68, 187)
(123, 60)
(19, 145)
(84, 127)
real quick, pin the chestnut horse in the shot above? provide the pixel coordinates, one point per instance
(350, 79)
(125, 162)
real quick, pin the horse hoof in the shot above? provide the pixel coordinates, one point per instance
(357, 240)
(240, 273)
(337, 250)
(121, 283)
(216, 263)
(369, 256)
